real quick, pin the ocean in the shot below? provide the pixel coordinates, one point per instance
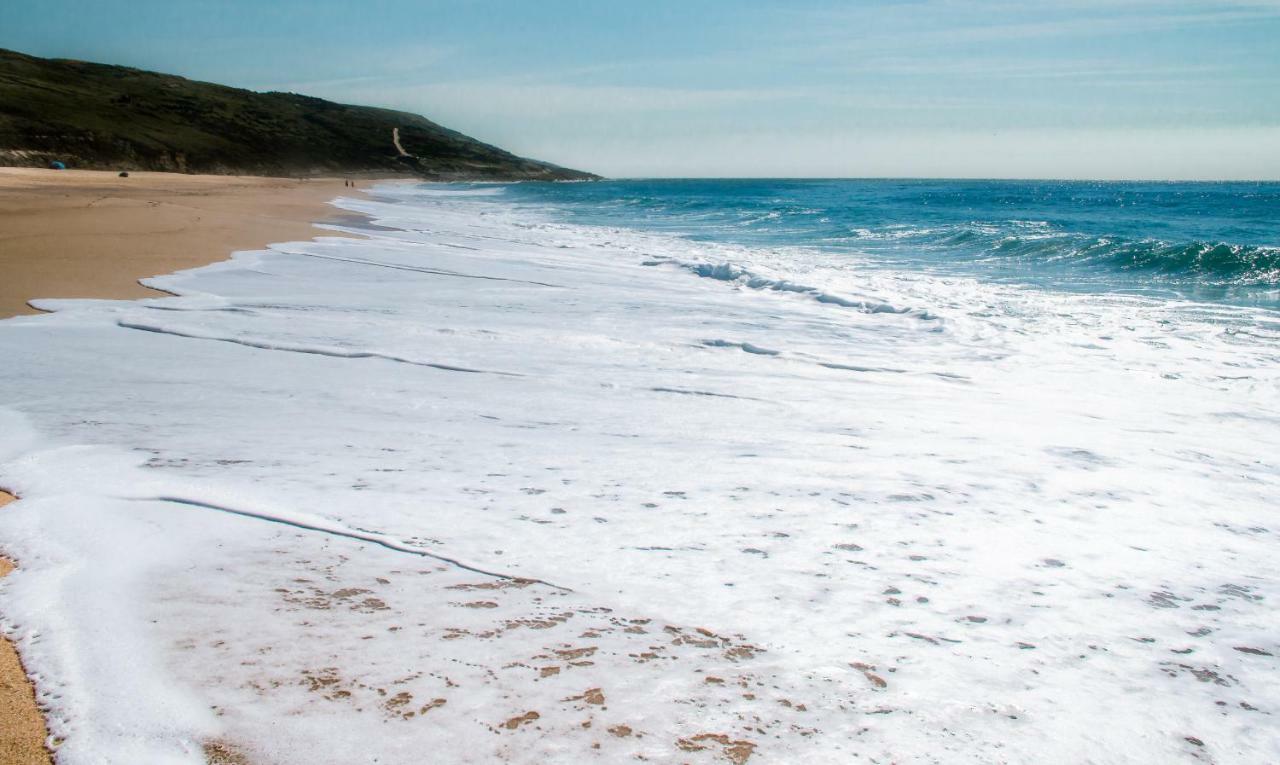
(788, 471)
(1214, 242)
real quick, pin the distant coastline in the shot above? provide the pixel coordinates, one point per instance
(102, 117)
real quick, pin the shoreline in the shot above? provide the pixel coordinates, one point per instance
(724, 452)
(22, 729)
(92, 234)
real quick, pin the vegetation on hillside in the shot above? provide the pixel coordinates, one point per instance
(111, 117)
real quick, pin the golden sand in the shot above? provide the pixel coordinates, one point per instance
(91, 234)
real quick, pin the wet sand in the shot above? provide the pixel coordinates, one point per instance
(92, 234)
(22, 731)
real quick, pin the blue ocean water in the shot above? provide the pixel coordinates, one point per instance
(1213, 242)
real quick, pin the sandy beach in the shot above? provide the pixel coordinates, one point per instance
(92, 234)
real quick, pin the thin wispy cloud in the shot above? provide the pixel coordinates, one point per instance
(945, 24)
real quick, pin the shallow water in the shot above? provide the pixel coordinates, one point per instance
(802, 502)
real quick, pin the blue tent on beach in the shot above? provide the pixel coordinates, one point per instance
(56, 165)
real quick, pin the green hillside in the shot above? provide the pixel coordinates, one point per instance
(111, 117)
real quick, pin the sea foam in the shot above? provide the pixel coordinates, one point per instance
(689, 519)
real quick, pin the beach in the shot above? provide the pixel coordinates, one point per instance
(464, 473)
(882, 383)
(92, 234)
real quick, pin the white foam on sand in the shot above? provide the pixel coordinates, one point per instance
(299, 508)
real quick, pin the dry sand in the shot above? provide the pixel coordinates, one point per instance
(22, 731)
(91, 234)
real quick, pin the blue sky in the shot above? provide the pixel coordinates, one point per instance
(936, 88)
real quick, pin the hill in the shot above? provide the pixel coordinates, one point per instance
(97, 116)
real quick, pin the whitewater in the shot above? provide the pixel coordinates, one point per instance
(476, 481)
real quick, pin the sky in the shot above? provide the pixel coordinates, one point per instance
(744, 88)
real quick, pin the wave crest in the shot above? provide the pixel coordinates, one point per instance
(730, 272)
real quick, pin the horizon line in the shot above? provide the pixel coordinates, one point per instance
(1010, 179)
